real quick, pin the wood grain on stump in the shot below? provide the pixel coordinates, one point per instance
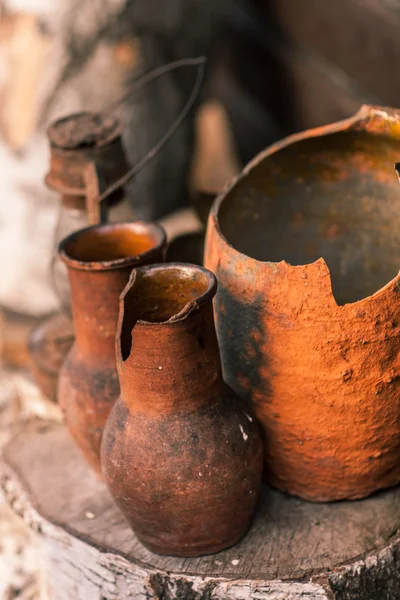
(295, 549)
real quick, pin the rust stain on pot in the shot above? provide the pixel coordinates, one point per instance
(99, 260)
(324, 370)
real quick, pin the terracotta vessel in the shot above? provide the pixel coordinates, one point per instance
(99, 260)
(314, 342)
(181, 453)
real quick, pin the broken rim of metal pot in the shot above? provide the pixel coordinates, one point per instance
(194, 285)
(328, 196)
(112, 246)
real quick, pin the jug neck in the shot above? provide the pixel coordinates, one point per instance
(100, 259)
(173, 366)
(95, 303)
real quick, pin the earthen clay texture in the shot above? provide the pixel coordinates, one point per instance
(324, 378)
(99, 260)
(181, 453)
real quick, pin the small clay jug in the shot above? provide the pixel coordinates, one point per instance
(99, 260)
(181, 453)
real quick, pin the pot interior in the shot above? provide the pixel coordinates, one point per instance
(160, 293)
(111, 242)
(336, 196)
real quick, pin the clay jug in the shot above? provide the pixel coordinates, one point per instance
(99, 260)
(181, 453)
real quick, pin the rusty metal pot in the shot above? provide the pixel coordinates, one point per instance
(181, 453)
(99, 261)
(306, 246)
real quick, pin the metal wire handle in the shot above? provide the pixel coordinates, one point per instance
(198, 62)
(154, 74)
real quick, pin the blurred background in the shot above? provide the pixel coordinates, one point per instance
(274, 67)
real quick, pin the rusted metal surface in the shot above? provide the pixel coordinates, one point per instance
(306, 248)
(181, 453)
(75, 142)
(99, 260)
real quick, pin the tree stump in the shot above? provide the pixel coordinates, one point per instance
(295, 549)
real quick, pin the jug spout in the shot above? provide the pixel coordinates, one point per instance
(166, 330)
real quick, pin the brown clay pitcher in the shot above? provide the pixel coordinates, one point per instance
(181, 453)
(99, 260)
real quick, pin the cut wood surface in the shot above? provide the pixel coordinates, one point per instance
(20, 400)
(295, 549)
